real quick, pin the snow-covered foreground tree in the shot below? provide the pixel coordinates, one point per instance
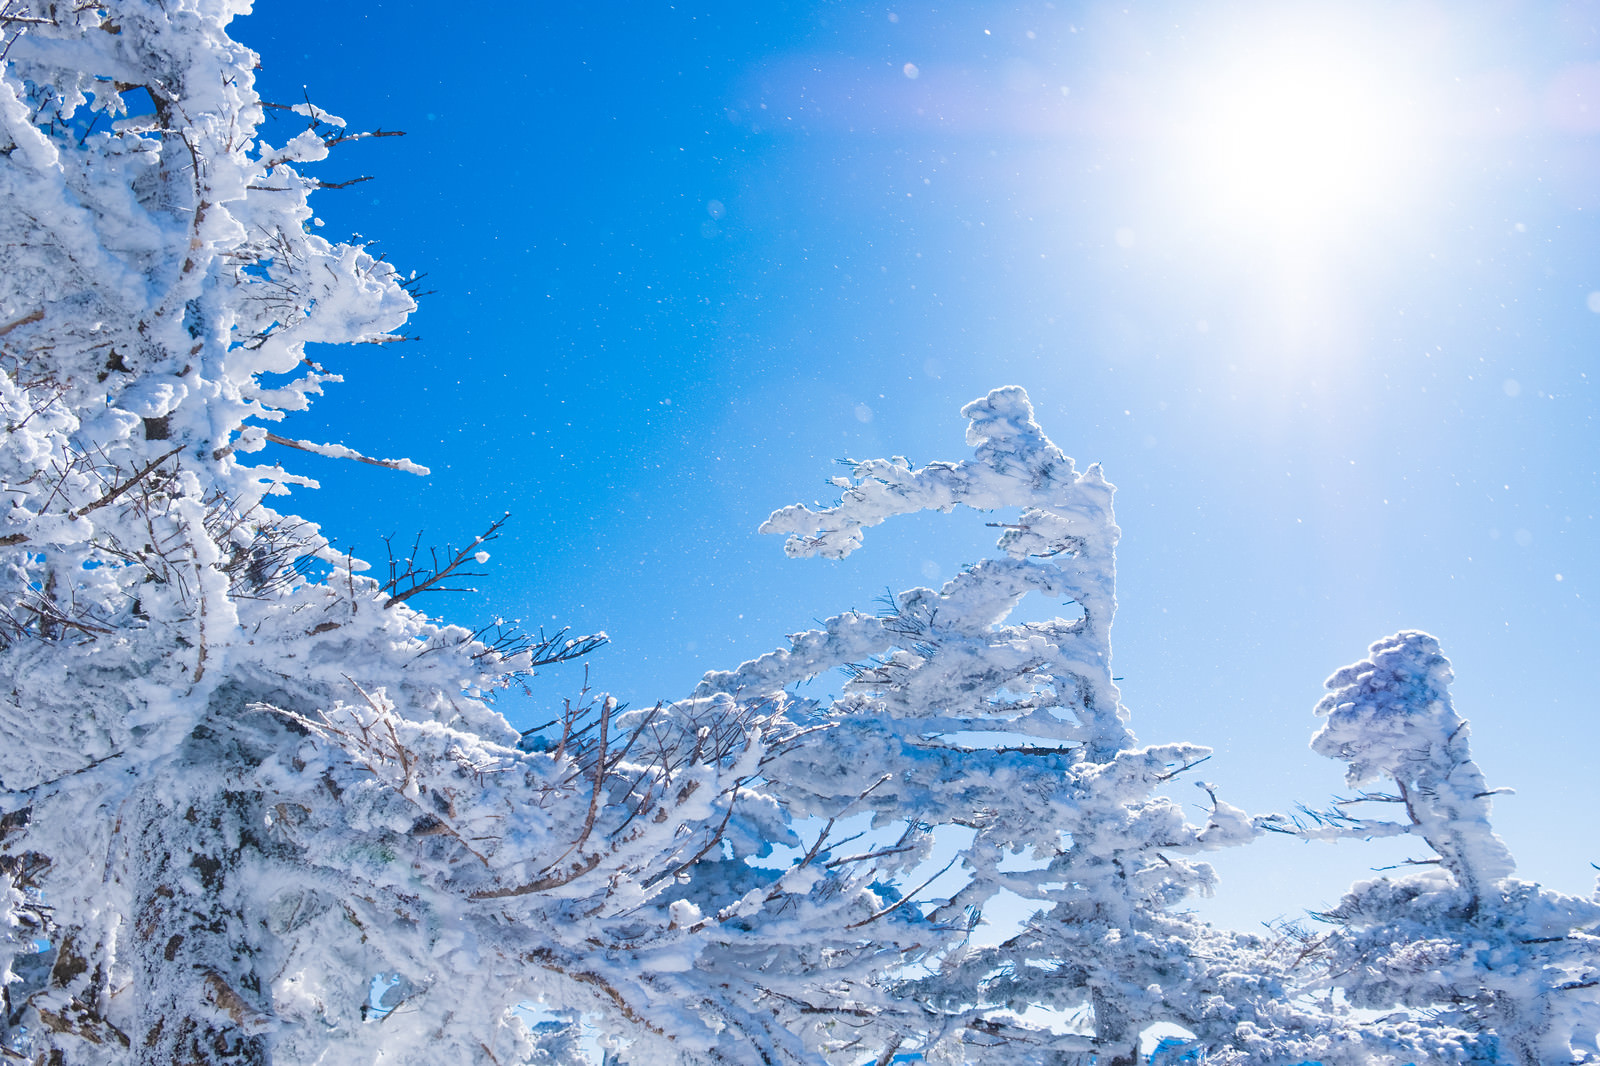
(230, 795)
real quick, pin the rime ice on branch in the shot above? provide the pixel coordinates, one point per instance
(1062, 781)
(1062, 546)
(1494, 969)
(232, 796)
(1390, 717)
(208, 885)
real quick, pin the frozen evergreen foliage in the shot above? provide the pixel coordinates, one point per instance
(255, 808)
(1390, 717)
(1505, 971)
(1067, 789)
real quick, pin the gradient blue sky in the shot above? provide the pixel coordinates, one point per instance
(1313, 282)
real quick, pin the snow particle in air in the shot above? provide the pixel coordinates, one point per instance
(1512, 387)
(910, 70)
(1523, 538)
(716, 209)
(1593, 302)
(863, 413)
(1126, 237)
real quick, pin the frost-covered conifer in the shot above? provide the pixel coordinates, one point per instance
(1492, 969)
(230, 795)
(1015, 733)
(238, 801)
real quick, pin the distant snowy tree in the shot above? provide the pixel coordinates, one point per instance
(1493, 969)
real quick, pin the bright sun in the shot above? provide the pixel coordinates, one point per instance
(1298, 138)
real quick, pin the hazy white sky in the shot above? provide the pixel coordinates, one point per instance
(1320, 289)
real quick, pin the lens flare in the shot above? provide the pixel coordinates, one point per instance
(1298, 134)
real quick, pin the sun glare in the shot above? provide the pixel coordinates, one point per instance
(1297, 138)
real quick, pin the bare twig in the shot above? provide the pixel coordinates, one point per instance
(907, 898)
(340, 138)
(112, 496)
(433, 582)
(609, 705)
(26, 319)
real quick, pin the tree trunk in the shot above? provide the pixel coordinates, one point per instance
(201, 997)
(1119, 1045)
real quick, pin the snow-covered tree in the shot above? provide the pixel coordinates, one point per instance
(240, 781)
(1016, 734)
(255, 808)
(232, 795)
(1496, 969)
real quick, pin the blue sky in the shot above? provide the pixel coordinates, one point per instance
(1313, 283)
